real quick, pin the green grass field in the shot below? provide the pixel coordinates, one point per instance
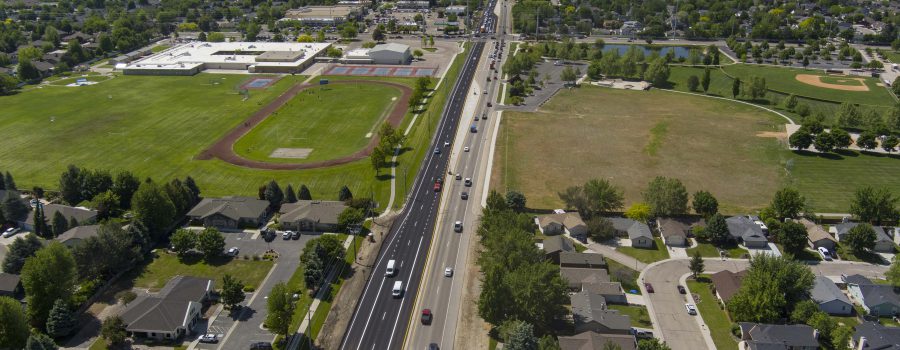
(637, 313)
(710, 251)
(828, 182)
(714, 317)
(647, 255)
(892, 56)
(165, 266)
(322, 119)
(625, 275)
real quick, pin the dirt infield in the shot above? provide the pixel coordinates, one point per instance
(815, 80)
(224, 147)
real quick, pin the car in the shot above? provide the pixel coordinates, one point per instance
(426, 316)
(209, 338)
(448, 272)
(432, 346)
(490, 105)
(295, 235)
(437, 151)
(485, 92)
(691, 309)
(649, 287)
(457, 226)
(825, 253)
(642, 334)
(263, 345)
(233, 251)
(465, 195)
(468, 182)
(476, 118)
(10, 232)
(446, 143)
(437, 185)
(286, 235)
(484, 116)
(466, 149)
(681, 289)
(458, 176)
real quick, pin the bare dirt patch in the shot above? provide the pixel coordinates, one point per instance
(292, 153)
(780, 135)
(816, 80)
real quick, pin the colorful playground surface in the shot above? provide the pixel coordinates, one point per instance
(381, 71)
(259, 83)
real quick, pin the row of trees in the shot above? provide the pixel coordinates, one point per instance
(813, 133)
(208, 242)
(389, 139)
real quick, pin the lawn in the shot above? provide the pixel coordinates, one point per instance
(828, 182)
(714, 317)
(805, 255)
(892, 56)
(165, 266)
(647, 255)
(321, 119)
(708, 250)
(624, 275)
(588, 133)
(638, 313)
(846, 253)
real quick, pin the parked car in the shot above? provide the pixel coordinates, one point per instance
(263, 345)
(691, 309)
(649, 287)
(426, 316)
(824, 253)
(209, 338)
(10, 232)
(681, 289)
(286, 235)
(295, 235)
(233, 251)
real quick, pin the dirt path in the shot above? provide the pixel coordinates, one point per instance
(815, 80)
(471, 330)
(224, 148)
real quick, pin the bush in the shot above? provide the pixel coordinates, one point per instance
(249, 289)
(256, 258)
(736, 330)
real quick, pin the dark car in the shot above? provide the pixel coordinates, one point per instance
(426, 316)
(681, 290)
(649, 287)
(263, 345)
(432, 346)
(295, 235)
(465, 195)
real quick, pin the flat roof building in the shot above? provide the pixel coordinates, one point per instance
(390, 53)
(254, 57)
(323, 16)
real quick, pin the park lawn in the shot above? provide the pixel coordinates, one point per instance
(637, 313)
(713, 315)
(828, 182)
(707, 250)
(625, 275)
(784, 80)
(647, 255)
(601, 137)
(892, 56)
(165, 266)
(322, 119)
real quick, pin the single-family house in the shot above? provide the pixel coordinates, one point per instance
(777, 337)
(77, 234)
(727, 283)
(593, 340)
(577, 277)
(84, 216)
(883, 242)
(582, 260)
(10, 285)
(590, 314)
(676, 230)
(558, 223)
(612, 292)
(554, 245)
(818, 237)
(311, 215)
(745, 229)
(229, 213)
(829, 297)
(638, 232)
(875, 336)
(876, 299)
(171, 313)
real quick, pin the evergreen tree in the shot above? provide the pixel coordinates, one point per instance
(704, 82)
(273, 194)
(521, 337)
(697, 265)
(717, 229)
(303, 193)
(61, 321)
(60, 224)
(345, 194)
(13, 326)
(8, 181)
(19, 250)
(40, 341)
(39, 222)
(289, 195)
(313, 271)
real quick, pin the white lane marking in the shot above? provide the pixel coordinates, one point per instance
(383, 315)
(371, 311)
(400, 312)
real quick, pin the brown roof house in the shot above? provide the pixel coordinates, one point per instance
(171, 313)
(727, 283)
(590, 314)
(559, 223)
(10, 285)
(593, 340)
(818, 237)
(675, 231)
(310, 215)
(84, 216)
(555, 245)
(229, 213)
(78, 234)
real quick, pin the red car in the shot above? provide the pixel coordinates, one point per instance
(437, 185)
(649, 287)
(426, 316)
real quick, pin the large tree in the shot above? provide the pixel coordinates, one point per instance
(289, 195)
(539, 292)
(874, 205)
(14, 208)
(60, 321)
(860, 238)
(70, 185)
(232, 291)
(793, 236)
(273, 194)
(520, 337)
(59, 224)
(788, 203)
(47, 276)
(211, 243)
(303, 193)
(893, 274)
(113, 330)
(125, 185)
(19, 250)
(657, 72)
(595, 197)
(40, 341)
(344, 194)
(666, 196)
(153, 209)
(13, 326)
(280, 309)
(351, 217)
(770, 290)
(600, 229)
(182, 241)
(717, 229)
(515, 200)
(705, 204)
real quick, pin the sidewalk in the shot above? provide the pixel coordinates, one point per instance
(321, 293)
(611, 253)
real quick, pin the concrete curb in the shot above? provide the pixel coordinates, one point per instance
(707, 336)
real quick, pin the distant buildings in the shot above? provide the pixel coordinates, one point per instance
(325, 16)
(253, 57)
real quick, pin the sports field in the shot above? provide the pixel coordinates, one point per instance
(785, 80)
(329, 121)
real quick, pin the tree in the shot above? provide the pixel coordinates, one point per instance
(696, 265)
(860, 238)
(801, 139)
(666, 196)
(788, 203)
(344, 194)
(378, 34)
(19, 250)
(211, 243)
(867, 140)
(9, 182)
(289, 195)
(548, 342)
(351, 217)
(874, 205)
(40, 222)
(59, 224)
(126, 184)
(153, 209)
(61, 321)
(705, 204)
(232, 291)
(736, 88)
(281, 309)
(14, 208)
(890, 143)
(349, 31)
(106, 204)
(313, 272)
(757, 88)
(840, 337)
(803, 311)
(717, 229)
(638, 212)
(601, 196)
(893, 274)
(657, 72)
(13, 326)
(540, 293)
(823, 323)
(600, 229)
(704, 82)
(40, 341)
(840, 138)
(791, 102)
(849, 116)
(824, 142)
(770, 290)
(568, 75)
(26, 71)
(273, 194)
(792, 235)
(303, 193)
(182, 241)
(47, 276)
(418, 54)
(521, 337)
(693, 83)
(515, 200)
(113, 330)
(215, 37)
(652, 344)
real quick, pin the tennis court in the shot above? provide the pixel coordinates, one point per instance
(258, 83)
(381, 71)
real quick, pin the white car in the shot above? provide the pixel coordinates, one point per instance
(446, 143)
(466, 149)
(824, 253)
(691, 309)
(10, 232)
(209, 338)
(448, 272)
(233, 251)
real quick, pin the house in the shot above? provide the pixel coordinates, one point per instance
(593, 340)
(883, 242)
(77, 234)
(638, 232)
(230, 212)
(750, 232)
(675, 231)
(81, 37)
(829, 297)
(554, 245)
(818, 237)
(583, 260)
(777, 337)
(876, 299)
(10, 285)
(82, 215)
(874, 336)
(590, 314)
(576, 277)
(171, 313)
(558, 223)
(727, 283)
(612, 292)
(310, 215)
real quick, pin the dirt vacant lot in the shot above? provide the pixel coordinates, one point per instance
(629, 137)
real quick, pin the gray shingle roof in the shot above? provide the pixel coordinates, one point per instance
(815, 232)
(8, 282)
(877, 294)
(593, 340)
(324, 212)
(621, 224)
(581, 259)
(789, 335)
(857, 279)
(824, 290)
(168, 309)
(78, 233)
(677, 226)
(81, 214)
(554, 244)
(742, 227)
(604, 288)
(878, 337)
(727, 283)
(639, 230)
(234, 208)
(186, 288)
(589, 307)
(579, 276)
(844, 228)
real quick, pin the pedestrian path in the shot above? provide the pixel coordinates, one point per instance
(611, 253)
(321, 294)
